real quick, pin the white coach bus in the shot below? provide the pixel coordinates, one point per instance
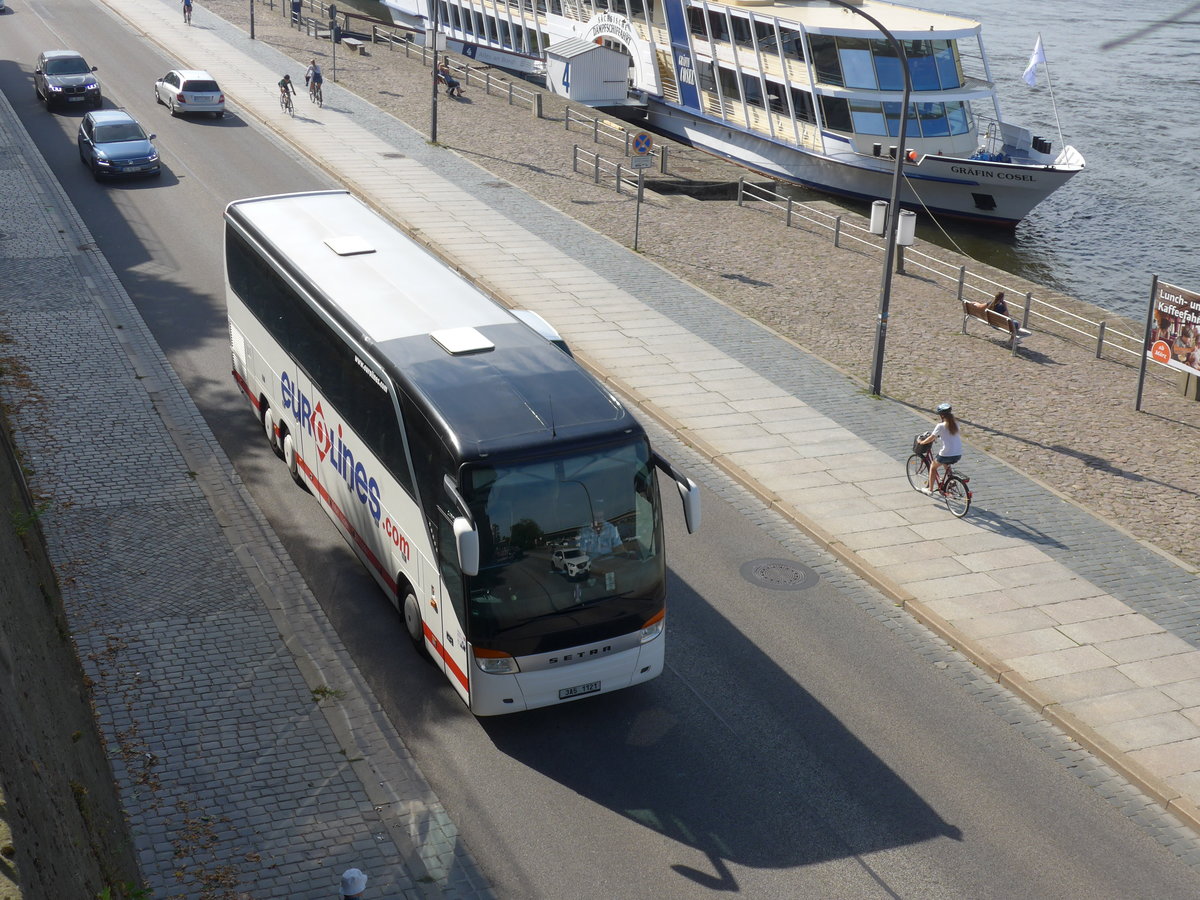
(506, 502)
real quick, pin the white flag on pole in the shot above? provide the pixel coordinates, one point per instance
(1039, 56)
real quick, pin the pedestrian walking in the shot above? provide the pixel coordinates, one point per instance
(354, 883)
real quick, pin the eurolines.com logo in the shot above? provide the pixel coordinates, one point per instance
(331, 449)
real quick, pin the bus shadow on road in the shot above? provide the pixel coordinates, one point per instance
(771, 779)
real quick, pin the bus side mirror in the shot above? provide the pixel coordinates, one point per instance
(466, 539)
(689, 492)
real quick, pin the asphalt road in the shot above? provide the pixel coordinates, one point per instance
(795, 747)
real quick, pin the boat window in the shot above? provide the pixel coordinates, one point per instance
(922, 67)
(556, 7)
(857, 67)
(949, 74)
(793, 44)
(958, 117)
(742, 32)
(825, 59)
(695, 18)
(455, 21)
(802, 103)
(867, 117)
(887, 66)
(933, 119)
(505, 34)
(704, 76)
(729, 84)
(776, 93)
(765, 33)
(836, 113)
(891, 112)
(718, 26)
(752, 90)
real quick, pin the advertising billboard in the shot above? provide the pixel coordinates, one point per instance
(1175, 328)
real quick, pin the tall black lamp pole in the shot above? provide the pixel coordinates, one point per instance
(893, 220)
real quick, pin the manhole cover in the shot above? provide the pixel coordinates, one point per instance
(391, 155)
(779, 574)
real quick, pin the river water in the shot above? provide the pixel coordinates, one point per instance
(1130, 110)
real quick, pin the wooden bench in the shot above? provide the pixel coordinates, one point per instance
(355, 44)
(1006, 324)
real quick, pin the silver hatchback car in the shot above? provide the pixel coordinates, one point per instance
(190, 91)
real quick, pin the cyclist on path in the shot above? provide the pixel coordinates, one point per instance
(950, 450)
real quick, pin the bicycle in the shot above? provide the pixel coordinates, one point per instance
(285, 103)
(314, 93)
(954, 489)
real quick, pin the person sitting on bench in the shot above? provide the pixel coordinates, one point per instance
(996, 305)
(453, 88)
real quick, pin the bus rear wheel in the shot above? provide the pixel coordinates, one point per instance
(272, 435)
(292, 460)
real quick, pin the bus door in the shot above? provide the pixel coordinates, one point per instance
(451, 603)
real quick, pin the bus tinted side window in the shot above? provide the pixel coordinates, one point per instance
(322, 352)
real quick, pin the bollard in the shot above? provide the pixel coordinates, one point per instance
(837, 227)
(626, 133)
(1025, 313)
(596, 172)
(537, 106)
(575, 158)
(619, 178)
(510, 89)
(487, 83)
(962, 275)
(899, 259)
(595, 131)
(788, 216)
(1100, 339)
(662, 159)
(741, 188)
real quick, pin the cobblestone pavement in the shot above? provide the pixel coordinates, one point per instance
(245, 770)
(1054, 412)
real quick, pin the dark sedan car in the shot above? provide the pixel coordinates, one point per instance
(111, 143)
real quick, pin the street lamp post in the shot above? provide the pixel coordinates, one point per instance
(893, 219)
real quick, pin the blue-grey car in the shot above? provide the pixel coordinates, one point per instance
(112, 143)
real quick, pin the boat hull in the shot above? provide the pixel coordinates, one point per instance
(988, 192)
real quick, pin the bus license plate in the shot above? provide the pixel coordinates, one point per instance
(590, 688)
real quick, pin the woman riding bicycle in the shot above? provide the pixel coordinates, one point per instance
(950, 450)
(313, 77)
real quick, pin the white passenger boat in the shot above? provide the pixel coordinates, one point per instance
(802, 90)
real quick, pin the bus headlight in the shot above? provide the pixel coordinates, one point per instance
(654, 626)
(495, 662)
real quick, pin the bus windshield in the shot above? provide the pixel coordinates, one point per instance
(570, 549)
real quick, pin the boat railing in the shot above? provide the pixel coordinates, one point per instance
(1117, 336)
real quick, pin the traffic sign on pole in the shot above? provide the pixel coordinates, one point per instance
(643, 144)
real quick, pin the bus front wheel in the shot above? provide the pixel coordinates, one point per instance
(412, 621)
